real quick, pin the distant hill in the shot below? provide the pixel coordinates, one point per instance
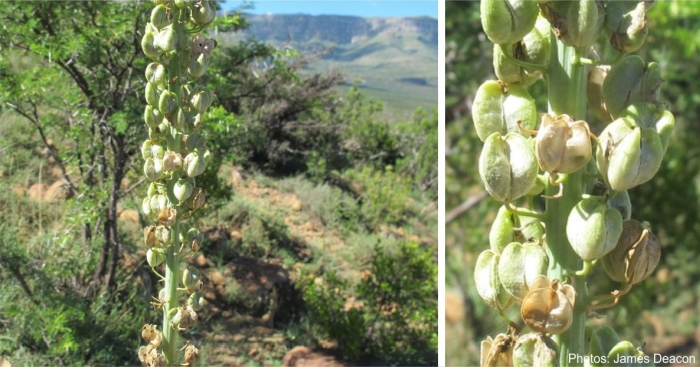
(395, 59)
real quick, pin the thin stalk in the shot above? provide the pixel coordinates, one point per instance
(172, 259)
(567, 95)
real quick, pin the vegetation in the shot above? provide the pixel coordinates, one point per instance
(649, 314)
(296, 188)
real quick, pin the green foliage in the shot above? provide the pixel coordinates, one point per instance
(390, 314)
(384, 194)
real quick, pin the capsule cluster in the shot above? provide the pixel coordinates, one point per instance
(175, 155)
(518, 161)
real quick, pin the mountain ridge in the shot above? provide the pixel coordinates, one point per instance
(394, 59)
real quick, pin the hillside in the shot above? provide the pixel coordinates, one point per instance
(395, 59)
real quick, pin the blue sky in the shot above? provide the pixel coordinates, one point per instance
(360, 8)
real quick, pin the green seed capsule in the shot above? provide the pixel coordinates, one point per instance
(190, 279)
(508, 21)
(152, 117)
(196, 301)
(146, 206)
(534, 48)
(147, 149)
(201, 100)
(577, 23)
(197, 65)
(154, 258)
(593, 228)
(204, 13)
(166, 39)
(502, 232)
(159, 17)
(156, 74)
(148, 46)
(183, 188)
(499, 108)
(488, 285)
(195, 141)
(519, 265)
(631, 148)
(152, 94)
(621, 202)
(168, 103)
(626, 22)
(507, 166)
(163, 234)
(194, 164)
(631, 80)
(153, 169)
(535, 349)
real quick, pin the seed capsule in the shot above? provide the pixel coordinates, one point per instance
(148, 46)
(533, 48)
(153, 169)
(152, 117)
(156, 74)
(183, 188)
(519, 265)
(152, 94)
(166, 39)
(576, 23)
(197, 199)
(507, 166)
(191, 354)
(502, 233)
(203, 13)
(172, 161)
(631, 148)
(563, 145)
(548, 307)
(596, 78)
(593, 228)
(196, 301)
(508, 21)
(488, 285)
(499, 108)
(190, 279)
(154, 257)
(626, 22)
(201, 100)
(194, 141)
(629, 81)
(168, 103)
(636, 255)
(163, 235)
(626, 351)
(497, 352)
(194, 164)
(167, 216)
(159, 17)
(197, 65)
(535, 349)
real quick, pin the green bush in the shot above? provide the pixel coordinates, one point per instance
(384, 194)
(391, 313)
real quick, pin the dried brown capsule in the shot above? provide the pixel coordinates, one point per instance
(636, 255)
(191, 354)
(167, 216)
(497, 352)
(149, 234)
(548, 306)
(563, 145)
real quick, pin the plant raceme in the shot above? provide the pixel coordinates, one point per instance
(539, 260)
(174, 156)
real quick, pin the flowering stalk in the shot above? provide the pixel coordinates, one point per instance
(174, 155)
(540, 260)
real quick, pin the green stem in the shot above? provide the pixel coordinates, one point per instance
(567, 95)
(172, 258)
